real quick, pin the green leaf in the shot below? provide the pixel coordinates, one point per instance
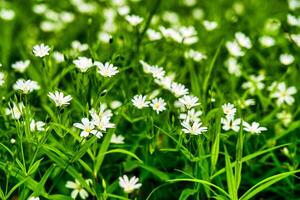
(229, 177)
(260, 186)
(186, 193)
(34, 167)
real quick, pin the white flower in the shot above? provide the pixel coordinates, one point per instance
(229, 110)
(123, 10)
(153, 35)
(134, 20)
(7, 14)
(41, 50)
(83, 63)
(102, 120)
(115, 104)
(21, 66)
(37, 126)
(158, 105)
(178, 89)
(284, 94)
(296, 39)
(285, 117)
(292, 20)
(245, 103)
(231, 124)
(234, 49)
(194, 128)
(33, 198)
(254, 83)
(243, 40)
(87, 128)
(165, 81)
(233, 66)
(286, 59)
(117, 139)
(129, 185)
(104, 37)
(267, 41)
(107, 69)
(197, 56)
(77, 46)
(140, 102)
(26, 86)
(293, 4)
(58, 57)
(253, 128)
(59, 98)
(157, 72)
(171, 33)
(16, 110)
(1, 79)
(77, 189)
(188, 34)
(210, 25)
(189, 101)
(191, 115)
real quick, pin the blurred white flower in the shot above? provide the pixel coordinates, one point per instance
(178, 89)
(284, 94)
(37, 125)
(77, 46)
(33, 198)
(233, 66)
(58, 57)
(254, 83)
(26, 86)
(83, 63)
(286, 59)
(129, 185)
(229, 110)
(194, 128)
(189, 101)
(191, 115)
(231, 124)
(15, 110)
(59, 98)
(2, 76)
(104, 37)
(107, 69)
(21, 66)
(267, 41)
(140, 102)
(253, 128)
(158, 105)
(210, 25)
(7, 14)
(153, 35)
(293, 20)
(285, 117)
(77, 189)
(234, 49)
(243, 40)
(134, 20)
(41, 50)
(117, 139)
(197, 56)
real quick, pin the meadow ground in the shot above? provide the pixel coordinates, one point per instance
(149, 99)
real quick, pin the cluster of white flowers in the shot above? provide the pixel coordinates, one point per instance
(182, 35)
(230, 123)
(99, 123)
(104, 69)
(190, 117)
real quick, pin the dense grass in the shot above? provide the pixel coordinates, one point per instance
(170, 162)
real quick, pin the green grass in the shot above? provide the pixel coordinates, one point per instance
(170, 164)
